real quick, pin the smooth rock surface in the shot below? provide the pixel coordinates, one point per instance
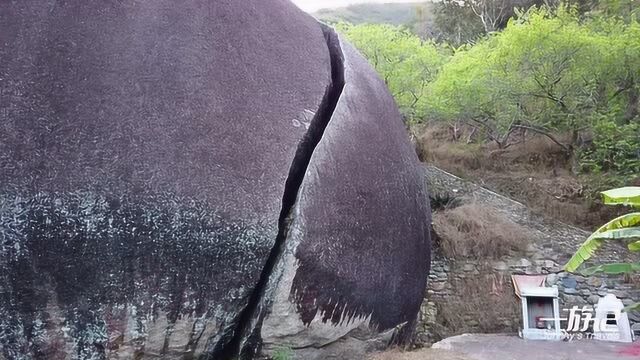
(151, 154)
(334, 273)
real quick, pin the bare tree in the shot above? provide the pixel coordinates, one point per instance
(492, 13)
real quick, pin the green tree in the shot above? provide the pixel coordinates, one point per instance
(456, 24)
(547, 72)
(405, 62)
(569, 74)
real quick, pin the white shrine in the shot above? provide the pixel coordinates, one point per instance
(611, 323)
(540, 313)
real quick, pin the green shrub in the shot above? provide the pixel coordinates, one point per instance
(557, 72)
(283, 353)
(406, 63)
(615, 149)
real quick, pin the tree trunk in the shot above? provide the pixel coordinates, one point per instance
(632, 105)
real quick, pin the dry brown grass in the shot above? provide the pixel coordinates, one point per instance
(486, 304)
(560, 198)
(455, 157)
(435, 144)
(536, 172)
(535, 154)
(474, 231)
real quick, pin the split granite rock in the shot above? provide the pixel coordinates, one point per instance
(198, 179)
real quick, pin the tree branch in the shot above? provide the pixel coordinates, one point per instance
(545, 133)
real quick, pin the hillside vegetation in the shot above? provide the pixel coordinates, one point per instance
(545, 109)
(392, 13)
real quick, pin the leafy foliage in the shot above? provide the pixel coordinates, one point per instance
(569, 73)
(546, 70)
(625, 196)
(615, 149)
(283, 353)
(618, 268)
(617, 229)
(406, 63)
(625, 228)
(456, 23)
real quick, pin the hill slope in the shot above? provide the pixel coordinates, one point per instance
(394, 13)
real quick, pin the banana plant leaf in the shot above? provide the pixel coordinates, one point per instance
(634, 246)
(620, 234)
(623, 196)
(612, 269)
(595, 241)
(632, 307)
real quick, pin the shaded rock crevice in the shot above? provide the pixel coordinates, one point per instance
(244, 340)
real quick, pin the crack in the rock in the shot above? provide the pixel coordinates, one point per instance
(231, 346)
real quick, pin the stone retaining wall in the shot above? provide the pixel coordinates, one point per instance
(553, 244)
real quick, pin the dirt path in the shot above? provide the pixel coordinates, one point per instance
(504, 347)
(424, 354)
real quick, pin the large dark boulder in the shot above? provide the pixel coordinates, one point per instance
(175, 175)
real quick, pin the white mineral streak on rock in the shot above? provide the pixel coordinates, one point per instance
(204, 330)
(283, 326)
(57, 334)
(156, 333)
(154, 336)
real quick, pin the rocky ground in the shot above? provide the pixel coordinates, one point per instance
(504, 347)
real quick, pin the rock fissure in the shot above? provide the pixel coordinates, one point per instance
(245, 325)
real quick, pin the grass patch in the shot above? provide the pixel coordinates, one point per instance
(283, 353)
(474, 231)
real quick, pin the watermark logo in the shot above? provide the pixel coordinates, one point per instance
(582, 324)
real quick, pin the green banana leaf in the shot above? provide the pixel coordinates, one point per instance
(612, 269)
(634, 246)
(620, 234)
(595, 241)
(632, 307)
(624, 196)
